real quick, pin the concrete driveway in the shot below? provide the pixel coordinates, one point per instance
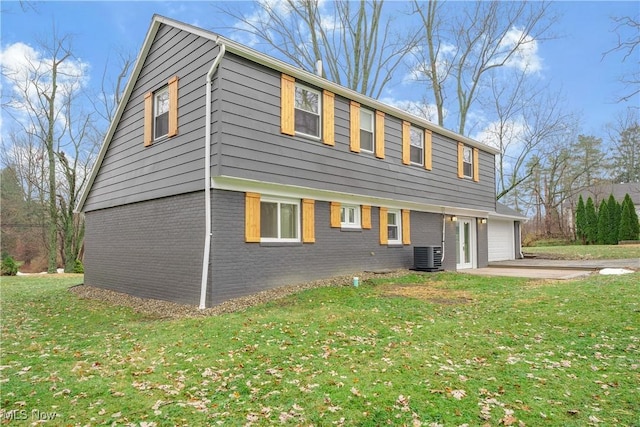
(534, 268)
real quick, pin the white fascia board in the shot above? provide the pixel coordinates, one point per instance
(291, 191)
(505, 216)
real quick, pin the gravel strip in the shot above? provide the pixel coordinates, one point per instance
(160, 309)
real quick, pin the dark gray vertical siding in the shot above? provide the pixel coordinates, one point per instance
(150, 249)
(131, 172)
(253, 148)
(240, 268)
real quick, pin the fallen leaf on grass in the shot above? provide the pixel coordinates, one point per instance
(458, 394)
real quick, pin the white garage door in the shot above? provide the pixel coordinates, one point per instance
(501, 240)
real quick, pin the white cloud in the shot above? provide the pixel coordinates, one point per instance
(27, 74)
(509, 134)
(419, 68)
(526, 56)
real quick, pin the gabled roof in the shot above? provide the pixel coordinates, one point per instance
(270, 62)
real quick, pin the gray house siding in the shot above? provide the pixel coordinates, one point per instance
(150, 249)
(131, 172)
(127, 250)
(239, 268)
(253, 148)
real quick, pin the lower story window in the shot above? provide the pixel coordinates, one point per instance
(279, 220)
(350, 216)
(394, 227)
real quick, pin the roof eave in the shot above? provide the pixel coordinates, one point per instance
(146, 45)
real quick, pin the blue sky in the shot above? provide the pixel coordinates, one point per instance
(572, 63)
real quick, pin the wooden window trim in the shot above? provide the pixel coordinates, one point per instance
(328, 118)
(287, 104)
(384, 234)
(173, 107)
(460, 160)
(476, 165)
(379, 143)
(406, 227)
(428, 149)
(354, 125)
(252, 218)
(148, 119)
(308, 221)
(406, 143)
(366, 217)
(335, 214)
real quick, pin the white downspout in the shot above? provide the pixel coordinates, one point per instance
(207, 179)
(444, 223)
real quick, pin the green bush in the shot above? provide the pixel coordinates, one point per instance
(78, 267)
(629, 227)
(9, 266)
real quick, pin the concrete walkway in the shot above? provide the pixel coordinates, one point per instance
(551, 269)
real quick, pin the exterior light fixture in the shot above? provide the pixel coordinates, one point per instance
(483, 220)
(454, 218)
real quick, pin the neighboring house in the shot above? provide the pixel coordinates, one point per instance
(504, 234)
(602, 192)
(226, 172)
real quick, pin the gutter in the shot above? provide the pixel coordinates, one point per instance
(207, 178)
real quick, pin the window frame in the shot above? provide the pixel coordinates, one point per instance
(371, 121)
(467, 149)
(279, 201)
(418, 132)
(319, 108)
(156, 97)
(357, 213)
(398, 224)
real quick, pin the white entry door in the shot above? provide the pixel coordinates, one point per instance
(465, 243)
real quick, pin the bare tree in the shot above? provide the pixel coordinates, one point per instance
(469, 41)
(624, 135)
(358, 48)
(106, 101)
(528, 116)
(43, 85)
(628, 46)
(75, 158)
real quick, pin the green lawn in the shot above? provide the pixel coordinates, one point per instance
(586, 251)
(433, 349)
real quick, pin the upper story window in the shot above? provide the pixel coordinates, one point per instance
(467, 162)
(307, 111)
(161, 113)
(350, 216)
(279, 220)
(394, 227)
(366, 130)
(417, 146)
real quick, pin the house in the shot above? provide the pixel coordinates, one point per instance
(226, 172)
(602, 191)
